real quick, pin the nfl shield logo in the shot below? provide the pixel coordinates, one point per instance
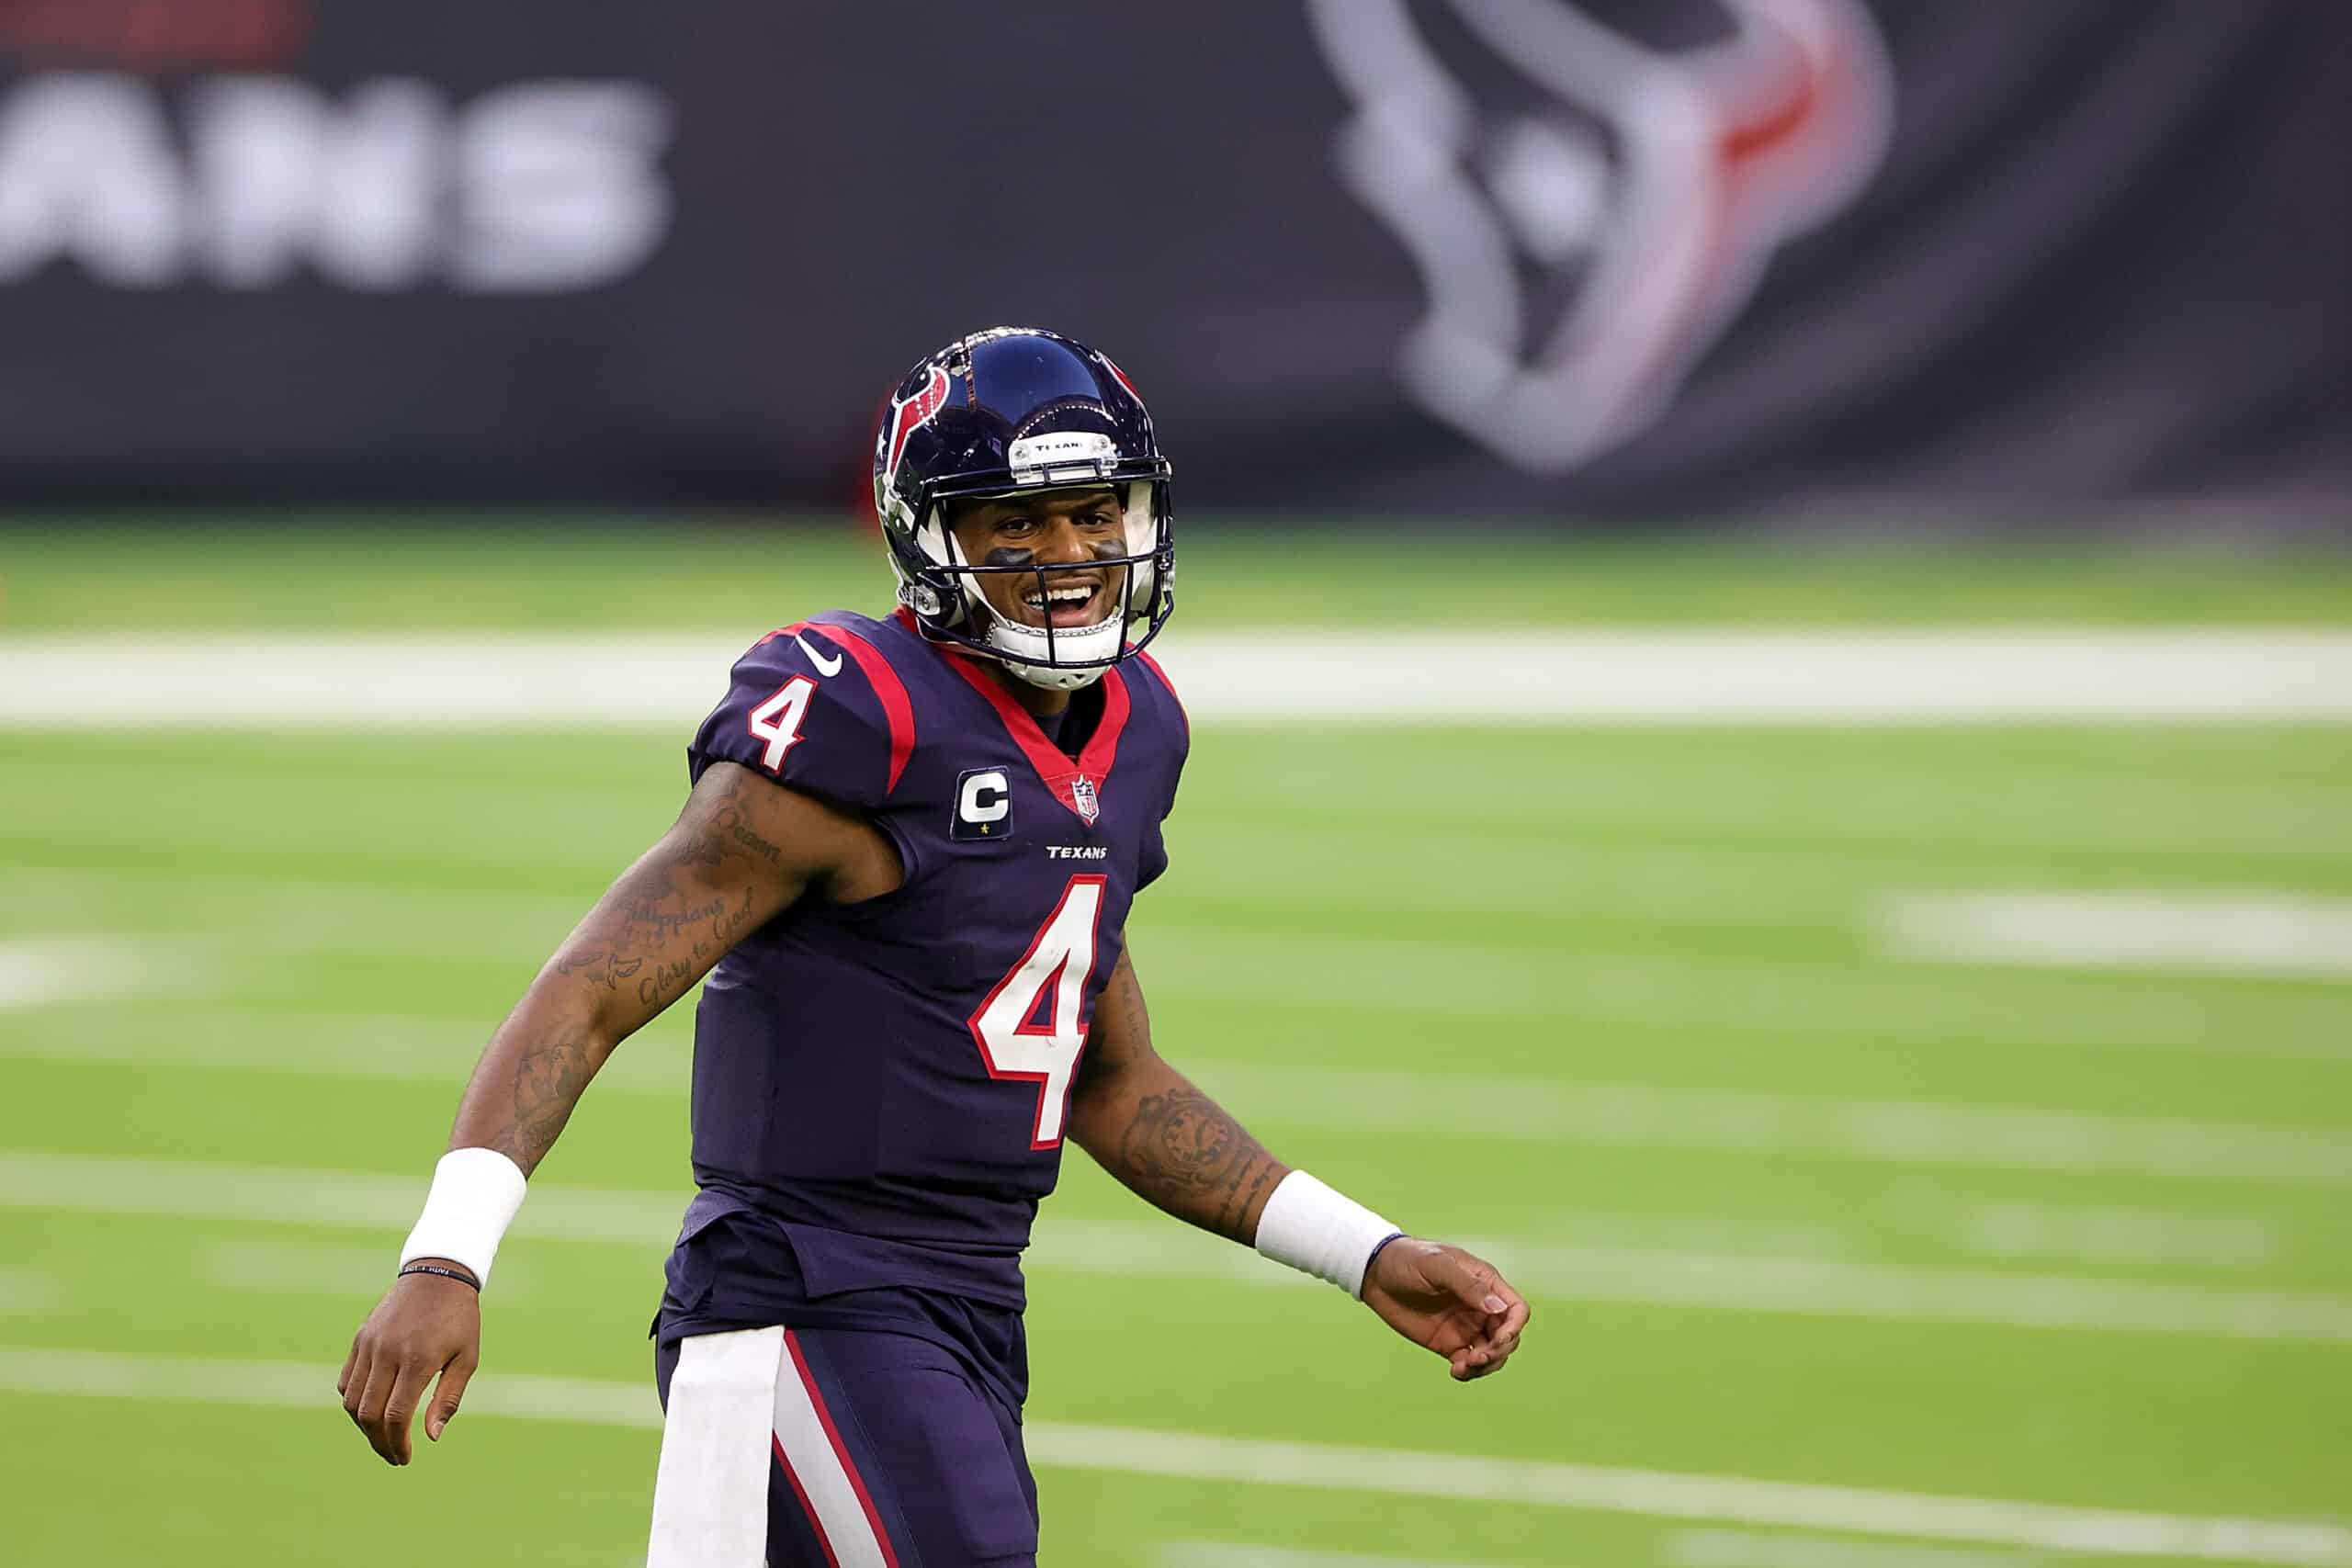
(1081, 794)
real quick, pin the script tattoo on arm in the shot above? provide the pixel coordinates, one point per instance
(669, 918)
(677, 911)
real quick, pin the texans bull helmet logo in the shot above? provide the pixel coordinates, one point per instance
(909, 415)
(1525, 151)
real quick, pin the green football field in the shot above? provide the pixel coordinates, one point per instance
(1843, 1251)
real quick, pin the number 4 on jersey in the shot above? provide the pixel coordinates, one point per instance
(1054, 975)
(777, 720)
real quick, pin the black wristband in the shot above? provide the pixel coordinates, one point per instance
(458, 1274)
(1392, 1235)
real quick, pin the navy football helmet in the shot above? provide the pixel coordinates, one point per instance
(1007, 412)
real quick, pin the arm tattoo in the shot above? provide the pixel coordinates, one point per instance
(1185, 1153)
(667, 920)
(550, 1077)
(1107, 1054)
(655, 933)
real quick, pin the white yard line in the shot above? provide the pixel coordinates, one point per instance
(1838, 997)
(1746, 1549)
(1323, 1466)
(1073, 1245)
(1198, 1456)
(1843, 998)
(1242, 1555)
(1664, 1494)
(1531, 1110)
(333, 1199)
(39, 971)
(1745, 1282)
(1750, 1120)
(2295, 936)
(1696, 676)
(310, 1267)
(2108, 1234)
(1684, 1548)
(386, 1047)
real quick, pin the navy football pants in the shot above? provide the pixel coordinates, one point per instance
(885, 1453)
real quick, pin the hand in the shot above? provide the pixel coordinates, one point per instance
(424, 1325)
(1443, 1298)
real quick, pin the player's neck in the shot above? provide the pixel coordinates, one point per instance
(1037, 701)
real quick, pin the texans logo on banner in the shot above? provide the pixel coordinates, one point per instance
(1557, 157)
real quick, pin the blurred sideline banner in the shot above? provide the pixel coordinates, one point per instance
(2026, 260)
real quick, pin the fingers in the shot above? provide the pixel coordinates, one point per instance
(400, 1409)
(1469, 1280)
(422, 1329)
(371, 1386)
(353, 1384)
(393, 1385)
(1514, 1319)
(381, 1396)
(1501, 1329)
(446, 1398)
(1502, 1313)
(1450, 1301)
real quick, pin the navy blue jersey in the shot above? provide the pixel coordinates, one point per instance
(889, 1080)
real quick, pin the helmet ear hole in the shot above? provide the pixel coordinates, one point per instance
(1141, 511)
(1142, 518)
(959, 603)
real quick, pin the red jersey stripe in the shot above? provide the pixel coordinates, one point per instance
(896, 704)
(840, 1449)
(815, 1523)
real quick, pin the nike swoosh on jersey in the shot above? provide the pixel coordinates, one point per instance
(827, 667)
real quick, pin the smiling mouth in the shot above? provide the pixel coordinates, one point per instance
(1063, 606)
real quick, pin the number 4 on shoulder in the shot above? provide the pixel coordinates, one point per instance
(777, 720)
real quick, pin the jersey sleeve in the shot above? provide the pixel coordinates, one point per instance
(1153, 860)
(814, 708)
(1177, 724)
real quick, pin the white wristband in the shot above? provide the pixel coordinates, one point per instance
(474, 1197)
(1318, 1231)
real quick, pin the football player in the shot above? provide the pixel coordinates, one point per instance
(905, 867)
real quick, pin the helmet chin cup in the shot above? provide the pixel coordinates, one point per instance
(1062, 663)
(1052, 677)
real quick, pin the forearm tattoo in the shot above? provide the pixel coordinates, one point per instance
(1186, 1153)
(550, 1077)
(644, 944)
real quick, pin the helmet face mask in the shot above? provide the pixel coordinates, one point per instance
(1006, 413)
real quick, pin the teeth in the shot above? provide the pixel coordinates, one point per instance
(1059, 596)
